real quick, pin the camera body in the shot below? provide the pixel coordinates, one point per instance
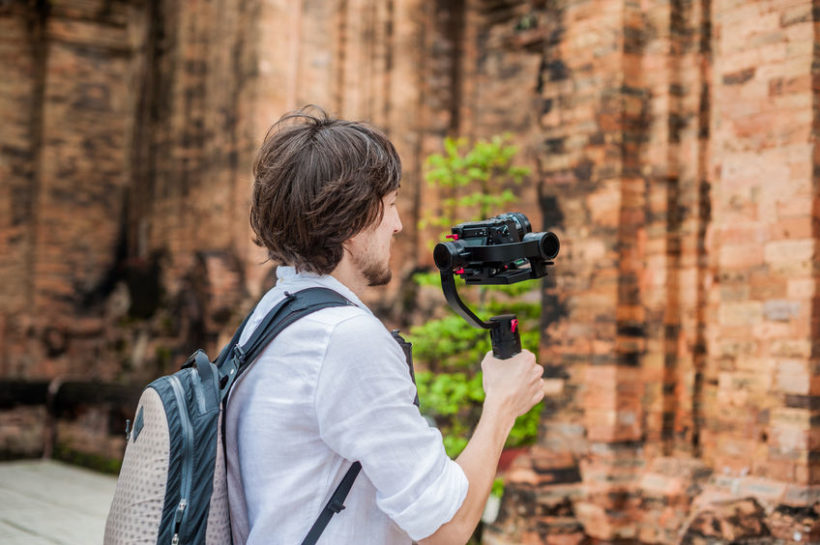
(499, 250)
(502, 229)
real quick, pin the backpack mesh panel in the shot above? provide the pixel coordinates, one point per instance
(136, 510)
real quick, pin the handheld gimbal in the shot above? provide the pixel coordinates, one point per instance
(500, 250)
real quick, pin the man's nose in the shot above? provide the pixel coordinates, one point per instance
(398, 226)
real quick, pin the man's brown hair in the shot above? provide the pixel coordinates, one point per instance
(317, 182)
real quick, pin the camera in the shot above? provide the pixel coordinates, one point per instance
(499, 250)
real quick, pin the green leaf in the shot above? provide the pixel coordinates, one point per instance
(498, 487)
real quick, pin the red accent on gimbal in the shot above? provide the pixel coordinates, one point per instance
(514, 325)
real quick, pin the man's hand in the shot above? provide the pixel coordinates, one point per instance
(512, 387)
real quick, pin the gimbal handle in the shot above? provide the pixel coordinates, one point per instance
(504, 335)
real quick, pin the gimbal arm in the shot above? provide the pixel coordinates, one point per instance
(448, 284)
(504, 335)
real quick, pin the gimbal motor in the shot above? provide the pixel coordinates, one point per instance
(499, 250)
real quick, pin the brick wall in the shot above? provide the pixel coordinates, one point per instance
(672, 149)
(129, 133)
(67, 112)
(677, 166)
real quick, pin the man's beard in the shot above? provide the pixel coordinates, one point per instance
(376, 273)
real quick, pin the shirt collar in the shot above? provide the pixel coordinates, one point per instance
(289, 280)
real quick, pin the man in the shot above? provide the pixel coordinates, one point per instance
(334, 388)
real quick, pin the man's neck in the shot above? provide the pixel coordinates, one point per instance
(350, 276)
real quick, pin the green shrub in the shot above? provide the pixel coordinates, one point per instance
(479, 182)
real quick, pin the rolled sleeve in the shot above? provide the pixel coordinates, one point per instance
(365, 412)
(437, 505)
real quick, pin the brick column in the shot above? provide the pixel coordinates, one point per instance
(591, 110)
(676, 47)
(761, 366)
(22, 61)
(65, 168)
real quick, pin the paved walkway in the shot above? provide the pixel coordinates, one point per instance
(48, 503)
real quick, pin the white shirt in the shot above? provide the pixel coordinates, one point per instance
(331, 389)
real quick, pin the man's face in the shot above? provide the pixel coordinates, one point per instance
(370, 249)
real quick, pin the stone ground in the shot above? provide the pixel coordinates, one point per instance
(49, 503)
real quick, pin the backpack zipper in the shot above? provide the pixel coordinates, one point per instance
(187, 459)
(200, 397)
(178, 520)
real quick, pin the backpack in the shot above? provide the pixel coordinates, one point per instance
(172, 487)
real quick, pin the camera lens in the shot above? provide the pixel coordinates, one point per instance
(521, 223)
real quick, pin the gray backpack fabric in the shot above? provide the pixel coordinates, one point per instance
(172, 487)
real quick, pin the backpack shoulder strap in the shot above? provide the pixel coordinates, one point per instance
(296, 306)
(334, 504)
(293, 307)
(236, 358)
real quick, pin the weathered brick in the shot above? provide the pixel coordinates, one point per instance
(789, 250)
(780, 310)
(792, 376)
(741, 314)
